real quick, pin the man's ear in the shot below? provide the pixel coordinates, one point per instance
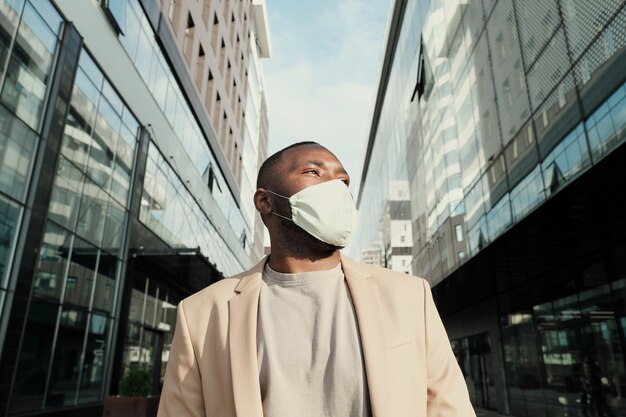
(262, 202)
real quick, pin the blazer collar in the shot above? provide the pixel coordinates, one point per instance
(243, 338)
(366, 300)
(242, 342)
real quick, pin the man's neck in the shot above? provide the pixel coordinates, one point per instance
(287, 264)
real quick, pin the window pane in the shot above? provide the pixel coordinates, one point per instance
(80, 275)
(93, 366)
(52, 262)
(29, 68)
(91, 215)
(113, 228)
(10, 15)
(17, 150)
(101, 155)
(32, 369)
(67, 353)
(66, 192)
(105, 282)
(80, 120)
(120, 183)
(9, 218)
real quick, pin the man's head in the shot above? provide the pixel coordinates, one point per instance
(287, 172)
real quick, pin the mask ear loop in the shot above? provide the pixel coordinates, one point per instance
(282, 196)
(279, 195)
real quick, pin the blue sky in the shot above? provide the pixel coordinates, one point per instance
(322, 77)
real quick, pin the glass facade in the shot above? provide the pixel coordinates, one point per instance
(170, 211)
(507, 113)
(101, 233)
(142, 47)
(28, 43)
(491, 171)
(67, 336)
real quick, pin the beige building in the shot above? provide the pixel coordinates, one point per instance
(221, 42)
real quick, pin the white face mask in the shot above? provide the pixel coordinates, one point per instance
(326, 211)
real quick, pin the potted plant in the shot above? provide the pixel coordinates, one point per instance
(134, 399)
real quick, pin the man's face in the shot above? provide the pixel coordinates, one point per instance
(299, 168)
(307, 165)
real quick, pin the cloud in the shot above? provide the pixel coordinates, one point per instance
(322, 79)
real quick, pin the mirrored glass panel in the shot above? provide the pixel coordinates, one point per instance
(91, 378)
(35, 355)
(65, 369)
(80, 274)
(10, 214)
(17, 151)
(52, 262)
(31, 63)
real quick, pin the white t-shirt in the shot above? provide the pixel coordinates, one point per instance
(308, 346)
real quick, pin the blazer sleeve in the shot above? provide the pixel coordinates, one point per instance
(447, 391)
(182, 387)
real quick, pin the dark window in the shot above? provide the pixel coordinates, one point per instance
(425, 78)
(115, 11)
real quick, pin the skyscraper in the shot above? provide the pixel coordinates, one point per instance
(130, 135)
(506, 119)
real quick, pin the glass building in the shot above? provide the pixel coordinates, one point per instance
(119, 195)
(493, 169)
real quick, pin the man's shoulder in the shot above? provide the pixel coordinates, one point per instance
(385, 277)
(217, 293)
(377, 270)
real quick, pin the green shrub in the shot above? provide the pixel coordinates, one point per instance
(136, 383)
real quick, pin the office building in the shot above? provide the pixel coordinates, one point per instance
(130, 136)
(506, 120)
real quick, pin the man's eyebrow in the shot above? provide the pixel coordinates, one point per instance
(313, 162)
(321, 165)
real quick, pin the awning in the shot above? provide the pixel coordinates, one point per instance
(187, 268)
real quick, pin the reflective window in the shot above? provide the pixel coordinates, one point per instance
(34, 361)
(10, 11)
(92, 212)
(564, 353)
(568, 158)
(508, 71)
(168, 209)
(142, 47)
(10, 214)
(90, 388)
(32, 59)
(499, 217)
(80, 120)
(104, 295)
(152, 306)
(606, 127)
(81, 274)
(78, 261)
(527, 194)
(17, 150)
(522, 104)
(52, 262)
(65, 369)
(66, 194)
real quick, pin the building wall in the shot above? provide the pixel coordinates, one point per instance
(507, 120)
(115, 202)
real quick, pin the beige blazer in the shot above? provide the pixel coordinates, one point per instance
(411, 370)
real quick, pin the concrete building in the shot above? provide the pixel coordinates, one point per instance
(506, 120)
(130, 136)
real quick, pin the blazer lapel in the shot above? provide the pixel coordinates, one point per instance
(366, 302)
(242, 344)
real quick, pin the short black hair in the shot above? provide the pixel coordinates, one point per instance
(267, 171)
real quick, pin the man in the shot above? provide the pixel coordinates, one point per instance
(308, 331)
